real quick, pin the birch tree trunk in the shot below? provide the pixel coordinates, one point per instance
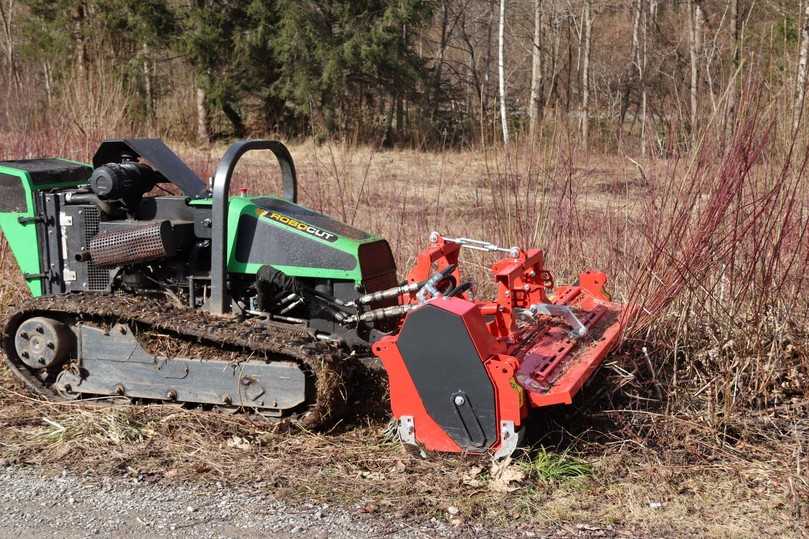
(203, 134)
(537, 90)
(585, 74)
(642, 58)
(501, 65)
(695, 23)
(147, 83)
(800, 81)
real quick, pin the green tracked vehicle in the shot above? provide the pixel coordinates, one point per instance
(86, 235)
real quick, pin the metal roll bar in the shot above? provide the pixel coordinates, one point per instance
(219, 302)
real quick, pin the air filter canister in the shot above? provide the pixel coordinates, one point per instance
(131, 245)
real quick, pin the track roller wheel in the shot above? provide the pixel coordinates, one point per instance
(43, 343)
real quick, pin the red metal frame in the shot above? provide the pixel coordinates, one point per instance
(530, 365)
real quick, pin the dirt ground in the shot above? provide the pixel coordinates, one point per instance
(623, 487)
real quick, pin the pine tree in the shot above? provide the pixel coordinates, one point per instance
(341, 61)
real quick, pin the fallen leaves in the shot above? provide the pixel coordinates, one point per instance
(237, 442)
(506, 477)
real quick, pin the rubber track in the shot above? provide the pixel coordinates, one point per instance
(331, 367)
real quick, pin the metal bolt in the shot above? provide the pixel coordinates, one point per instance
(207, 223)
(227, 400)
(120, 390)
(122, 329)
(171, 395)
(459, 400)
(526, 287)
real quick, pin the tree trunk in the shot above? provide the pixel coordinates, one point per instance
(585, 74)
(147, 84)
(557, 44)
(695, 23)
(7, 12)
(46, 75)
(234, 118)
(537, 90)
(80, 42)
(642, 58)
(800, 82)
(484, 91)
(203, 133)
(568, 90)
(634, 66)
(501, 67)
(439, 64)
(733, 91)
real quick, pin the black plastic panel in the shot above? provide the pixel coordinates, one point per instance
(443, 362)
(12, 194)
(376, 259)
(262, 243)
(313, 218)
(47, 171)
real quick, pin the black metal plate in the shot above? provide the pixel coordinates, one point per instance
(443, 363)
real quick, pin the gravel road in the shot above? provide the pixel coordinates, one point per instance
(35, 505)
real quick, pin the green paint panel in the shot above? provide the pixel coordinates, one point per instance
(22, 239)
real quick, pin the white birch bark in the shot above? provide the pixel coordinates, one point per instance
(695, 24)
(800, 81)
(203, 134)
(585, 74)
(536, 70)
(501, 65)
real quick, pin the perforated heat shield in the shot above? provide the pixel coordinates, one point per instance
(137, 244)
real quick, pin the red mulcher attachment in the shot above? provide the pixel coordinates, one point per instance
(464, 373)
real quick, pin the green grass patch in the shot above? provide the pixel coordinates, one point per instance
(554, 467)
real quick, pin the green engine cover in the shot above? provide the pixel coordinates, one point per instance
(19, 182)
(303, 243)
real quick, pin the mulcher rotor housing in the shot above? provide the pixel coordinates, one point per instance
(258, 303)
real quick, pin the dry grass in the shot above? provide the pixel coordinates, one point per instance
(697, 425)
(627, 486)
